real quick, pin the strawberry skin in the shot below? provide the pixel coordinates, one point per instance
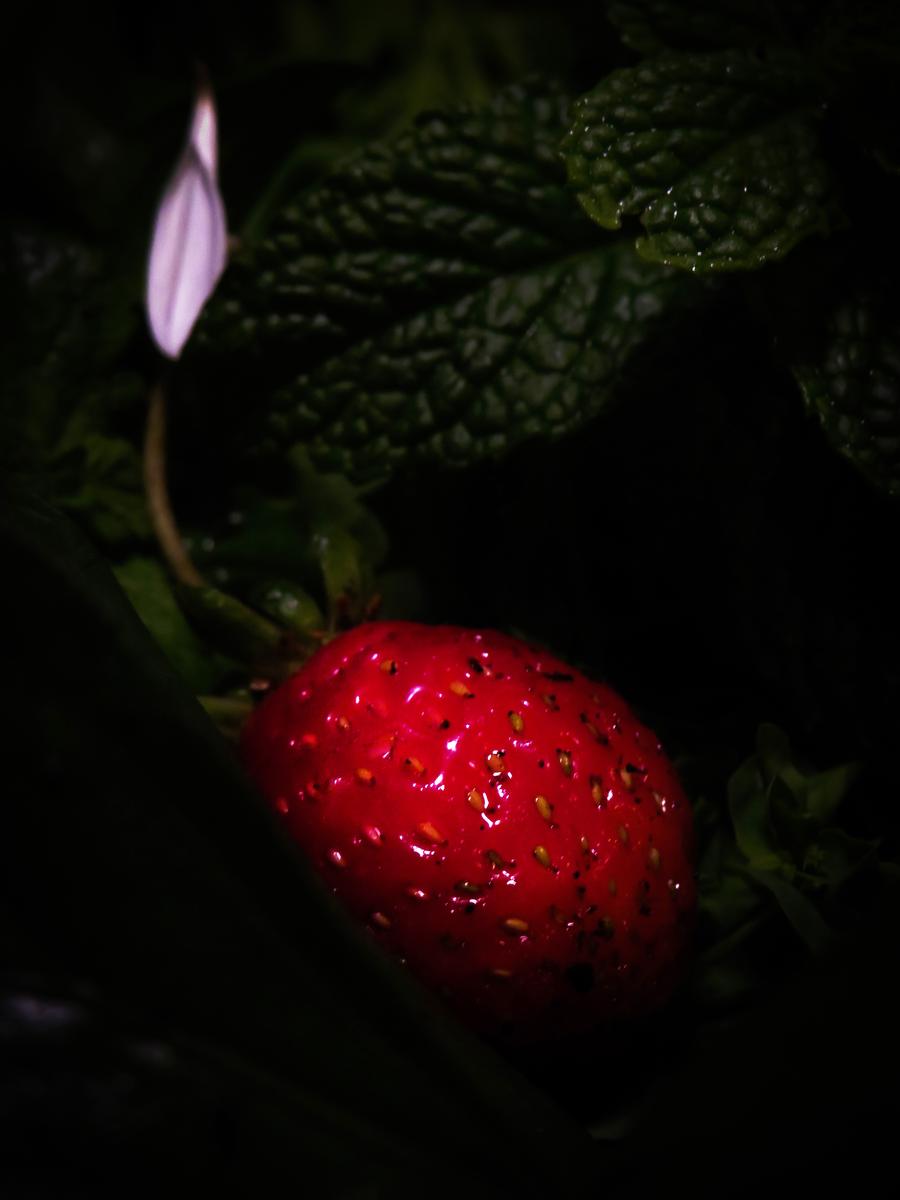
(502, 823)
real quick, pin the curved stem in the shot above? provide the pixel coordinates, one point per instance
(157, 491)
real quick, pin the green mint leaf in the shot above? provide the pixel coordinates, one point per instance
(440, 297)
(849, 375)
(716, 153)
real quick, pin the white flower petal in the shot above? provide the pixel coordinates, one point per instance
(189, 247)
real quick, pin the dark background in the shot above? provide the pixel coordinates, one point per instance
(702, 547)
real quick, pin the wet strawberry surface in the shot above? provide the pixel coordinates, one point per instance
(502, 824)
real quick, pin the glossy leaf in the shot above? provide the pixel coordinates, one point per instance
(718, 154)
(441, 297)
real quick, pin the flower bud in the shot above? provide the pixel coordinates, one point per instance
(189, 247)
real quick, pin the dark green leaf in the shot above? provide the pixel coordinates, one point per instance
(148, 588)
(270, 538)
(347, 540)
(799, 909)
(104, 488)
(722, 983)
(291, 607)
(133, 848)
(748, 804)
(339, 555)
(850, 378)
(236, 629)
(440, 297)
(228, 712)
(320, 541)
(835, 856)
(801, 801)
(776, 759)
(653, 25)
(729, 899)
(824, 792)
(718, 154)
(66, 318)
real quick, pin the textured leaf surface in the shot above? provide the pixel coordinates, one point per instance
(713, 152)
(441, 296)
(851, 381)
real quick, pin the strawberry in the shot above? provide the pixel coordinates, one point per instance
(503, 824)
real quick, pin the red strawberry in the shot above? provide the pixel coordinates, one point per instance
(502, 823)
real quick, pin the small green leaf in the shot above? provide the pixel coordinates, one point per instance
(799, 910)
(722, 983)
(776, 758)
(329, 498)
(824, 792)
(269, 539)
(849, 375)
(347, 540)
(718, 154)
(440, 297)
(147, 587)
(291, 607)
(228, 712)
(340, 558)
(729, 900)
(99, 480)
(835, 856)
(748, 804)
(318, 543)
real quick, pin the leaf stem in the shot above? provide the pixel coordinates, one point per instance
(156, 489)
